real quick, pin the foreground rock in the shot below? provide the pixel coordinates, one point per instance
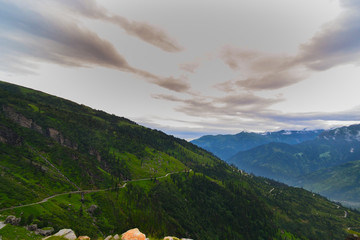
(175, 238)
(65, 233)
(44, 232)
(2, 224)
(133, 234)
(12, 220)
(116, 237)
(84, 238)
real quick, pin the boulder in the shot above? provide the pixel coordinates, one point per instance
(133, 234)
(83, 238)
(116, 237)
(12, 220)
(65, 233)
(92, 209)
(32, 227)
(44, 232)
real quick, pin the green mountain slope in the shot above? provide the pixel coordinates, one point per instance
(226, 146)
(309, 161)
(59, 159)
(340, 182)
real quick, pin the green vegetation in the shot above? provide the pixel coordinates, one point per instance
(10, 232)
(340, 182)
(50, 146)
(326, 165)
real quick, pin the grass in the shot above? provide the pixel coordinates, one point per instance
(155, 164)
(10, 232)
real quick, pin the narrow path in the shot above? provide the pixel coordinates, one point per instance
(271, 190)
(345, 214)
(84, 192)
(53, 166)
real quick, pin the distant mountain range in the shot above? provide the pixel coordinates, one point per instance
(226, 146)
(326, 162)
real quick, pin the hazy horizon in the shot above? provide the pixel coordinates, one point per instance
(191, 68)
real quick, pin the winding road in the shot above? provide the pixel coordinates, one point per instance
(83, 191)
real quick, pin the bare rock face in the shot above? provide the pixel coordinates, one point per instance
(65, 233)
(43, 232)
(12, 220)
(133, 234)
(57, 136)
(21, 119)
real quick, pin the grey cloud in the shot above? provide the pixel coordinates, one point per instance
(189, 67)
(265, 71)
(41, 37)
(171, 83)
(336, 44)
(271, 81)
(31, 35)
(146, 32)
(350, 114)
(235, 57)
(244, 105)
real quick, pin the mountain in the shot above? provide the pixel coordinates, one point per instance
(308, 161)
(65, 165)
(339, 182)
(226, 146)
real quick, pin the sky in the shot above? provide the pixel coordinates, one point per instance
(191, 68)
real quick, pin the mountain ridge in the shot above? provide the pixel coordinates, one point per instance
(99, 151)
(226, 146)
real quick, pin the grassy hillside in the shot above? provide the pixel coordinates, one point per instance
(284, 161)
(340, 182)
(54, 147)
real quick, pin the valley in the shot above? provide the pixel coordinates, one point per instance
(52, 149)
(327, 164)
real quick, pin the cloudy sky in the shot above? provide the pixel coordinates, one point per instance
(189, 67)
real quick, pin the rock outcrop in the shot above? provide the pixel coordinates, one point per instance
(58, 137)
(44, 232)
(116, 237)
(8, 136)
(32, 227)
(92, 209)
(29, 123)
(133, 234)
(12, 220)
(65, 233)
(21, 119)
